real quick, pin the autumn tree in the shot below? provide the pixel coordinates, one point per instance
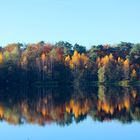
(133, 75)
(126, 69)
(1, 58)
(63, 62)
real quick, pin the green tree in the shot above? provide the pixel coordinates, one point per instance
(79, 48)
(67, 47)
(135, 54)
(101, 74)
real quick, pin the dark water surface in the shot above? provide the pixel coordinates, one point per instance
(100, 113)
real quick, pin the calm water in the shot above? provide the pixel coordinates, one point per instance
(70, 113)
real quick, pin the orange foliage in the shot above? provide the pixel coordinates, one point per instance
(67, 59)
(77, 60)
(134, 73)
(126, 63)
(134, 93)
(1, 57)
(43, 57)
(104, 60)
(105, 107)
(120, 60)
(110, 56)
(127, 103)
(77, 109)
(44, 111)
(1, 112)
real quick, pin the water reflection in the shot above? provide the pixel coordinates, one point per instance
(65, 105)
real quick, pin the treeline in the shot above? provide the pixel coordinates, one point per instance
(64, 63)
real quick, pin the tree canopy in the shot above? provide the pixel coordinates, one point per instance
(65, 63)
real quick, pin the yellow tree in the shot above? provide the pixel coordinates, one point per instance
(126, 63)
(133, 74)
(120, 60)
(67, 60)
(43, 58)
(76, 58)
(126, 69)
(1, 58)
(110, 56)
(105, 60)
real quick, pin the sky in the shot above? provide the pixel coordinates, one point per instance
(86, 22)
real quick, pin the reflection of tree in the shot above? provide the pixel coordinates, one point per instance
(62, 106)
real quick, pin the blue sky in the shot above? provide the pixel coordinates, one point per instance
(85, 22)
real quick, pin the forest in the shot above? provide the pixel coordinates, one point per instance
(65, 64)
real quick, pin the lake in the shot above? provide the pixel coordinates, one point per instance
(103, 112)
